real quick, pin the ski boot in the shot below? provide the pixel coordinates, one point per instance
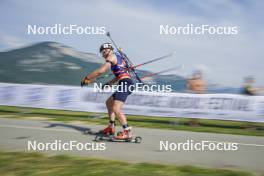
(108, 131)
(125, 135)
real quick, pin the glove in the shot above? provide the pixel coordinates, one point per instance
(85, 81)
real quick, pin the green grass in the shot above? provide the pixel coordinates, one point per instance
(198, 125)
(29, 164)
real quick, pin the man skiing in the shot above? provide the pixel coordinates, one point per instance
(116, 101)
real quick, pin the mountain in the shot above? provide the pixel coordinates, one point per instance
(46, 62)
(55, 63)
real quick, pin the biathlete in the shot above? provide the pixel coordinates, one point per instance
(116, 101)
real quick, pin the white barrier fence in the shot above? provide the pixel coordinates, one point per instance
(209, 106)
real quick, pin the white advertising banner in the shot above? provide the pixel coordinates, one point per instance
(209, 106)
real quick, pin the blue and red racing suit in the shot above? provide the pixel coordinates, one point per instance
(120, 71)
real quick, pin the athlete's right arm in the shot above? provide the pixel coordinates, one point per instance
(99, 71)
(91, 77)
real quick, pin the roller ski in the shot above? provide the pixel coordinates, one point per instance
(122, 136)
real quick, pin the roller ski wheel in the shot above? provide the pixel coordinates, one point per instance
(138, 139)
(98, 138)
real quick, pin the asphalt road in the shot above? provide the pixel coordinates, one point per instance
(15, 135)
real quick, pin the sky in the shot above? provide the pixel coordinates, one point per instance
(135, 25)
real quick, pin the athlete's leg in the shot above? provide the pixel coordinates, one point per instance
(109, 104)
(110, 129)
(126, 133)
(117, 109)
(119, 100)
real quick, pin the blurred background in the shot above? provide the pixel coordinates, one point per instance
(224, 60)
(41, 98)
